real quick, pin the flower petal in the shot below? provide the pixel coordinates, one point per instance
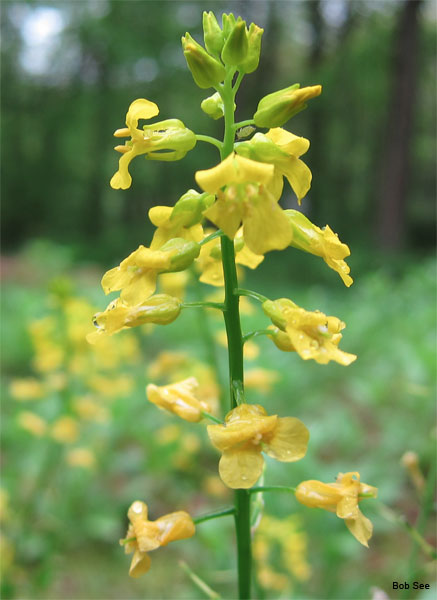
(240, 469)
(299, 176)
(290, 440)
(140, 109)
(227, 215)
(361, 528)
(140, 564)
(265, 226)
(175, 526)
(140, 287)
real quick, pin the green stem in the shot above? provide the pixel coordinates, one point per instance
(244, 123)
(272, 488)
(256, 333)
(211, 417)
(235, 349)
(251, 294)
(212, 236)
(205, 304)
(216, 515)
(209, 140)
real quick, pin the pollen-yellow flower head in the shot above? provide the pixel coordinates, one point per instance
(312, 335)
(143, 535)
(179, 398)
(341, 497)
(241, 186)
(247, 432)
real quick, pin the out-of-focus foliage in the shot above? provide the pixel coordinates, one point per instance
(65, 495)
(71, 69)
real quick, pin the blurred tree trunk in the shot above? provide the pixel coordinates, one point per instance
(398, 136)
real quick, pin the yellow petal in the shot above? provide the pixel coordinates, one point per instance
(122, 179)
(265, 226)
(175, 526)
(290, 440)
(115, 279)
(347, 508)
(361, 528)
(225, 437)
(288, 142)
(140, 109)
(240, 469)
(234, 169)
(140, 564)
(227, 215)
(140, 287)
(316, 494)
(299, 176)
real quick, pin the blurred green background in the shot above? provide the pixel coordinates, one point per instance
(69, 72)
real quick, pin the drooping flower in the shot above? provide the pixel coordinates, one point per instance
(341, 497)
(159, 309)
(179, 398)
(167, 140)
(311, 334)
(136, 275)
(243, 196)
(321, 242)
(143, 535)
(281, 149)
(248, 431)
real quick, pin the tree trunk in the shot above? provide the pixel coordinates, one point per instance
(395, 157)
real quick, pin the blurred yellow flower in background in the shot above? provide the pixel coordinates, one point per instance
(28, 388)
(65, 430)
(32, 423)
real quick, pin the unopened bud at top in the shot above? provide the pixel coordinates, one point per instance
(205, 69)
(236, 46)
(212, 34)
(276, 109)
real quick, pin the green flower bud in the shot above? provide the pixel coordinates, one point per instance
(273, 309)
(190, 207)
(213, 106)
(251, 61)
(170, 140)
(212, 34)
(228, 23)
(237, 45)
(276, 109)
(205, 69)
(183, 253)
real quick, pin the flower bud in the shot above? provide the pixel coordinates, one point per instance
(205, 69)
(190, 207)
(228, 23)
(212, 34)
(251, 61)
(236, 46)
(213, 106)
(169, 140)
(274, 310)
(182, 252)
(276, 109)
(282, 340)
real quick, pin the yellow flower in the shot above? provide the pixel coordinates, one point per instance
(143, 535)
(136, 275)
(247, 432)
(174, 284)
(281, 149)
(179, 398)
(166, 140)
(26, 389)
(32, 423)
(88, 409)
(160, 309)
(241, 186)
(250, 348)
(341, 497)
(209, 261)
(65, 430)
(321, 242)
(81, 457)
(277, 108)
(312, 335)
(167, 362)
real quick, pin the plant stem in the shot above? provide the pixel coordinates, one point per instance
(235, 349)
(210, 237)
(272, 488)
(205, 304)
(209, 140)
(251, 294)
(216, 515)
(256, 333)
